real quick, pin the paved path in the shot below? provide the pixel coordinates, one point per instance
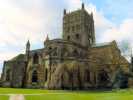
(17, 97)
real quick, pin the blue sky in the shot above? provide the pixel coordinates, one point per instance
(21, 20)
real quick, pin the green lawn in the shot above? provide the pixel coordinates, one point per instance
(69, 95)
(4, 97)
(21, 91)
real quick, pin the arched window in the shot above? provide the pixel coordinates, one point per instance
(62, 79)
(77, 36)
(68, 37)
(75, 53)
(34, 76)
(50, 48)
(87, 76)
(103, 77)
(35, 58)
(8, 75)
(55, 52)
(73, 28)
(65, 52)
(46, 74)
(77, 27)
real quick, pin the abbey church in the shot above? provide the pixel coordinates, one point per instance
(73, 62)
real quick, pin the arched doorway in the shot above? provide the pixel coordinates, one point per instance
(34, 77)
(103, 79)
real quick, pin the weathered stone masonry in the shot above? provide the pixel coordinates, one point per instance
(73, 62)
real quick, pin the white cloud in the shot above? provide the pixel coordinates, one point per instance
(17, 25)
(27, 19)
(123, 32)
(34, 19)
(22, 20)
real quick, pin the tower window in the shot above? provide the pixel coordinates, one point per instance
(68, 29)
(77, 27)
(34, 76)
(77, 36)
(73, 29)
(68, 37)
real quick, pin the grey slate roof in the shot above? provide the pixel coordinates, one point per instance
(36, 51)
(19, 57)
(102, 44)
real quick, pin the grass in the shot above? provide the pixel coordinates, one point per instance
(4, 97)
(21, 91)
(69, 95)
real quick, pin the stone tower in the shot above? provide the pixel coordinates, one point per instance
(78, 27)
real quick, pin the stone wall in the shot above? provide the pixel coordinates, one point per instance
(69, 75)
(13, 73)
(106, 58)
(18, 74)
